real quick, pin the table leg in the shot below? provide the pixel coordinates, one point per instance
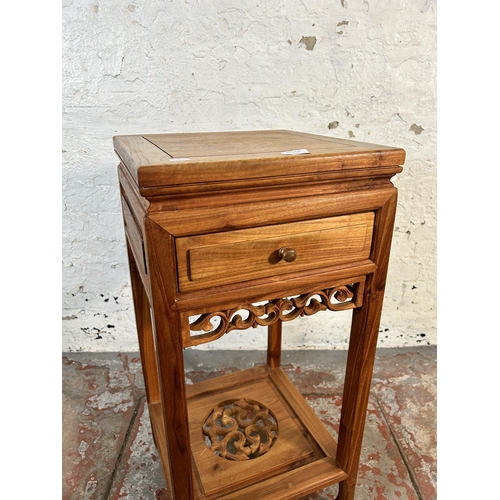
(167, 327)
(360, 360)
(144, 332)
(274, 344)
(361, 354)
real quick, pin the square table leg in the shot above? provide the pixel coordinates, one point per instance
(361, 355)
(167, 327)
(274, 344)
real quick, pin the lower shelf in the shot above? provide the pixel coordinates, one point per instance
(300, 461)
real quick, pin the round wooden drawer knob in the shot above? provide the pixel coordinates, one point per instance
(287, 254)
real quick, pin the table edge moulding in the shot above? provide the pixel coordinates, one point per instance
(230, 230)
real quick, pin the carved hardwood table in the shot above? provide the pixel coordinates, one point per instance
(232, 230)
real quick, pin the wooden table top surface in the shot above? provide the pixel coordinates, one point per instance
(184, 158)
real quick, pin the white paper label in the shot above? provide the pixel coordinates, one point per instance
(179, 159)
(295, 152)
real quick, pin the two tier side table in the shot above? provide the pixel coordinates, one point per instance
(231, 230)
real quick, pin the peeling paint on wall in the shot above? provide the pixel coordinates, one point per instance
(308, 41)
(416, 128)
(341, 26)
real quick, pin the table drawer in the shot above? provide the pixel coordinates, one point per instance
(229, 257)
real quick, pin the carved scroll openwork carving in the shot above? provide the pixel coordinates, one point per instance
(339, 298)
(240, 429)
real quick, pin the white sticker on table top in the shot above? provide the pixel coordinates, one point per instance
(179, 159)
(295, 152)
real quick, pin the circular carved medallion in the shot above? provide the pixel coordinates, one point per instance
(240, 429)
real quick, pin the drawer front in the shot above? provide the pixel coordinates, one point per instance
(230, 257)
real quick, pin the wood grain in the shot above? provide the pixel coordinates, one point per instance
(295, 447)
(184, 196)
(222, 258)
(205, 217)
(343, 297)
(128, 188)
(158, 427)
(170, 361)
(205, 301)
(304, 412)
(293, 484)
(134, 237)
(160, 159)
(274, 334)
(297, 473)
(264, 213)
(144, 332)
(361, 354)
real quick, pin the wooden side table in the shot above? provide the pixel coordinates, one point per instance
(237, 229)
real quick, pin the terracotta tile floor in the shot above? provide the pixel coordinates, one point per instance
(108, 450)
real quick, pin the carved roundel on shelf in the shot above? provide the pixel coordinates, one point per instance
(240, 429)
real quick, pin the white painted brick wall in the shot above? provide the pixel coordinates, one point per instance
(343, 68)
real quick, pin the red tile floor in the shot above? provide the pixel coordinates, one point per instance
(108, 450)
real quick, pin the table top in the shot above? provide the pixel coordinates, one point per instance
(156, 160)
